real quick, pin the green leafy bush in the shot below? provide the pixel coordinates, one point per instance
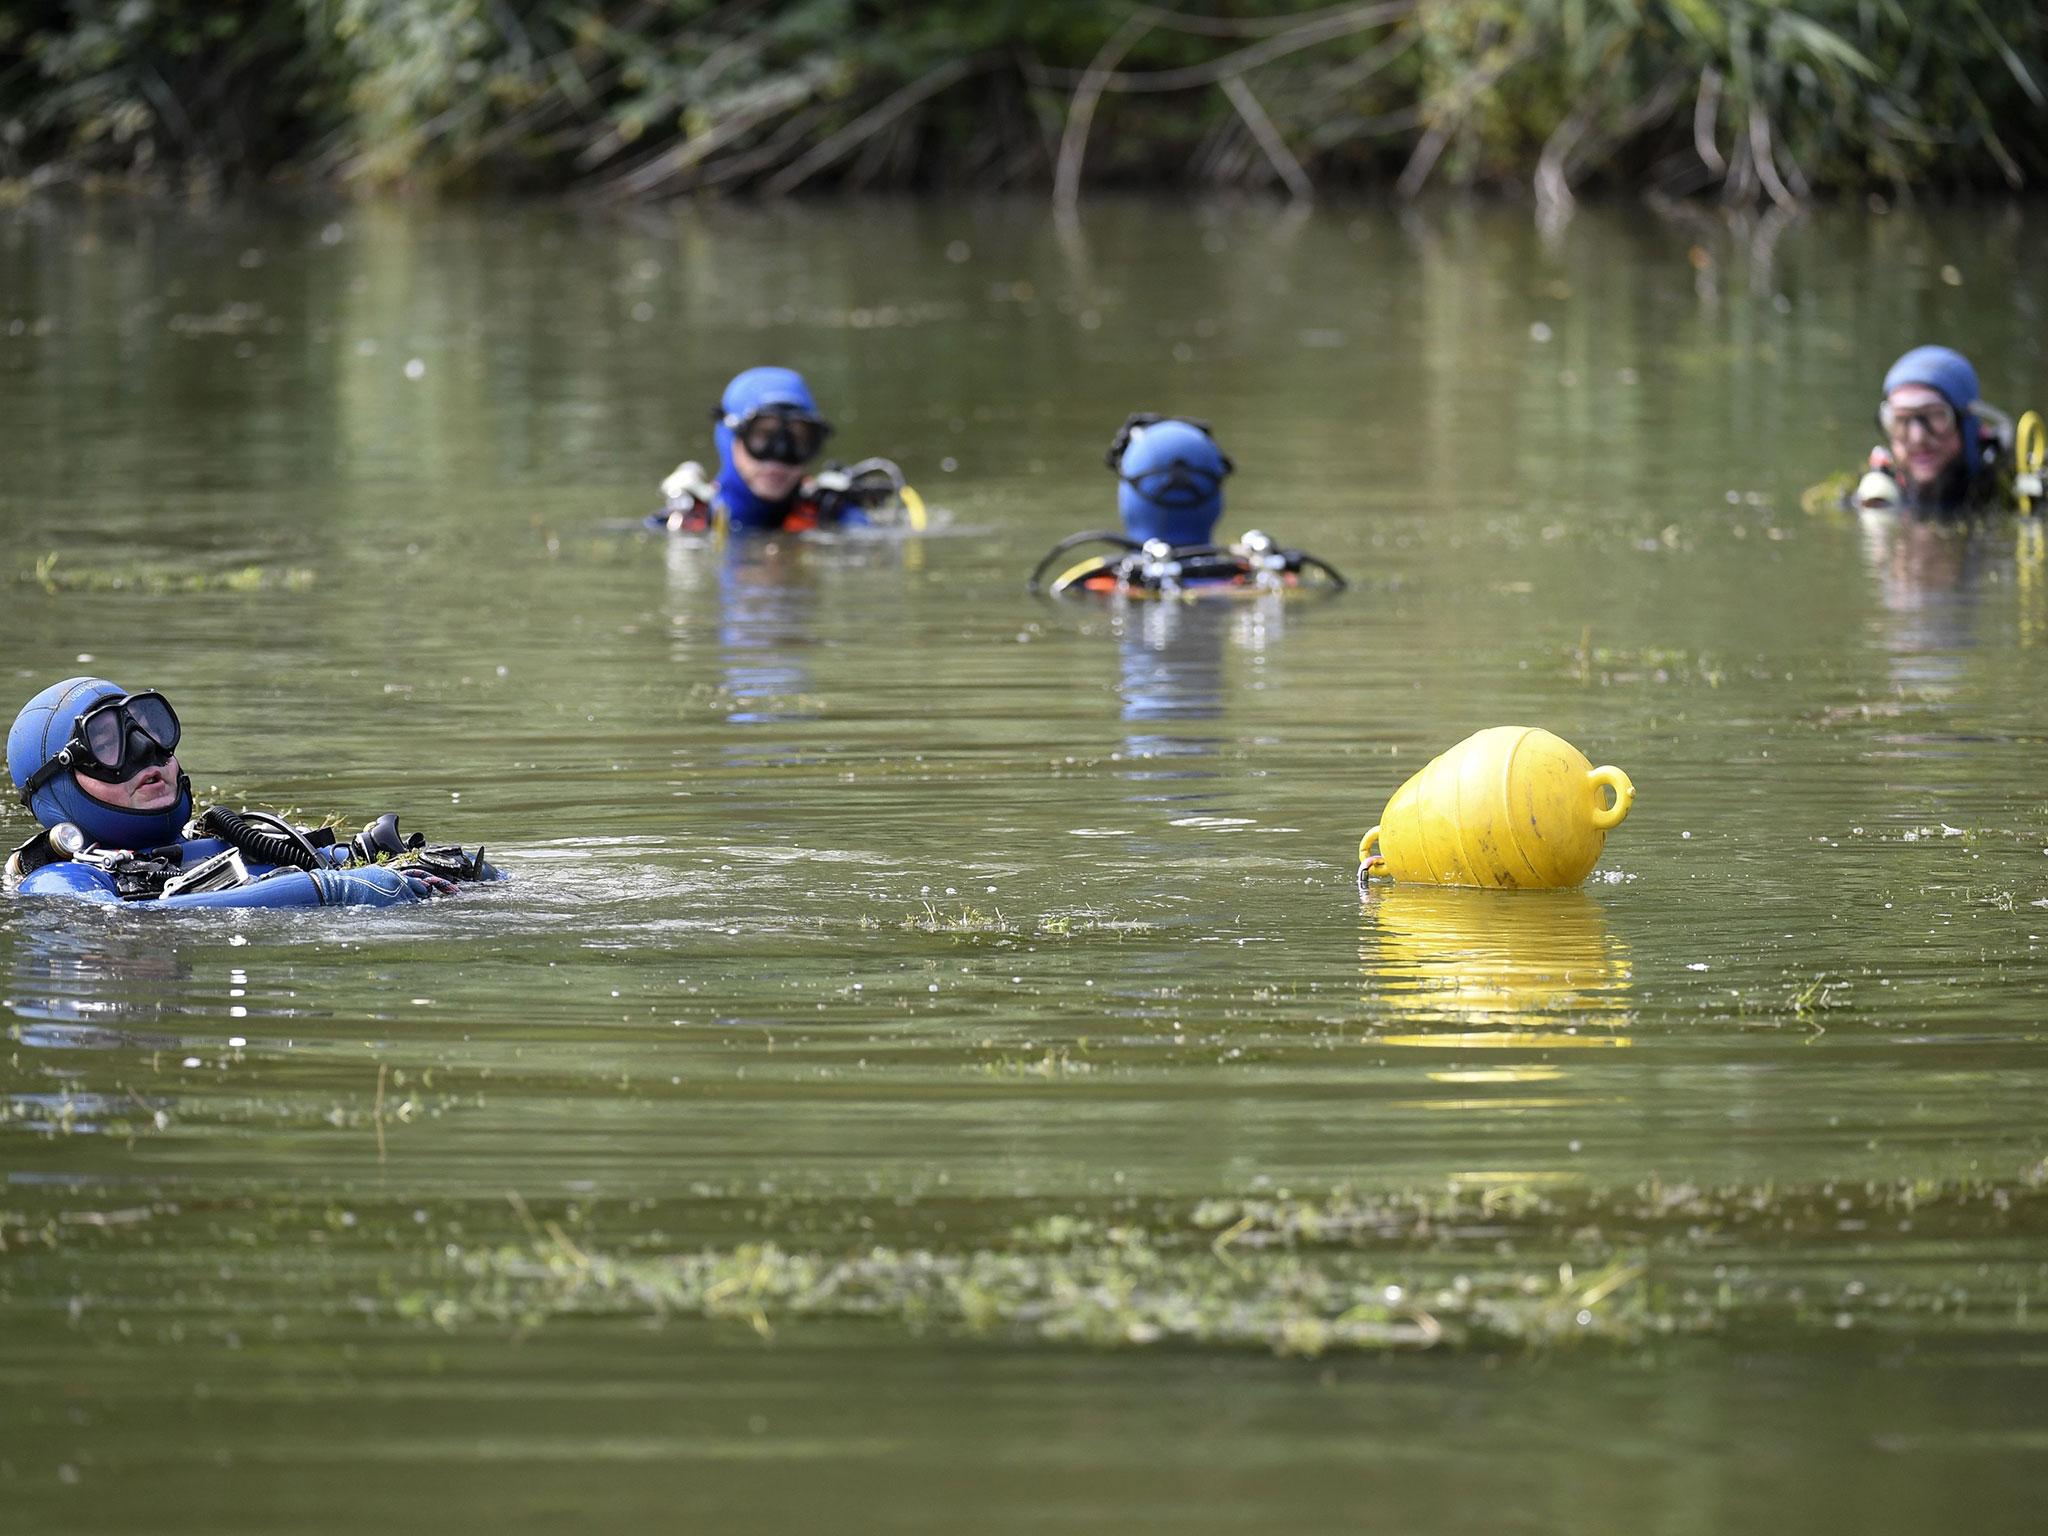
(1744, 99)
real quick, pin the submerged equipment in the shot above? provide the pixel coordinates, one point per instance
(1256, 563)
(1513, 808)
(1170, 478)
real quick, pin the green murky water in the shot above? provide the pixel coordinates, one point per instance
(931, 1069)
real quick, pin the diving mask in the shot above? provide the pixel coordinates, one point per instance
(113, 741)
(1936, 418)
(1178, 482)
(777, 434)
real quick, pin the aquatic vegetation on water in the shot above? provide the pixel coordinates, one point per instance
(1490, 1262)
(1504, 1263)
(968, 919)
(971, 920)
(1830, 495)
(1057, 1061)
(1084, 1283)
(1816, 994)
(1649, 664)
(53, 577)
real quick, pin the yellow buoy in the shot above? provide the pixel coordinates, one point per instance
(2030, 458)
(1514, 807)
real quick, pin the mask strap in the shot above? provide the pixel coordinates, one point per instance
(1136, 422)
(44, 774)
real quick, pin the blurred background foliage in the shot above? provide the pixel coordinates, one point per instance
(1743, 100)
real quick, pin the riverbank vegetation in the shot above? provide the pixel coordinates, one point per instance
(1747, 101)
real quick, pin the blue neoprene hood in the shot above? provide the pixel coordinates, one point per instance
(1942, 369)
(754, 390)
(1156, 502)
(39, 734)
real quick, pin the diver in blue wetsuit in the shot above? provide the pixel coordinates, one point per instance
(98, 767)
(768, 432)
(1170, 472)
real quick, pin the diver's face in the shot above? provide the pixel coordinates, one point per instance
(1924, 433)
(153, 789)
(765, 478)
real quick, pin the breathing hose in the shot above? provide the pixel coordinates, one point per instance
(1075, 541)
(240, 829)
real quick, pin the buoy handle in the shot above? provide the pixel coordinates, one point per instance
(2030, 456)
(1368, 846)
(1611, 814)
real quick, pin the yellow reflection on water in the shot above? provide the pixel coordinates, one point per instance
(1499, 1039)
(1507, 960)
(2031, 563)
(1490, 1106)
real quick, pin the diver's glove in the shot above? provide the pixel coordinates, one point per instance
(687, 482)
(446, 864)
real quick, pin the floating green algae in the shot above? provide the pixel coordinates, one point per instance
(53, 576)
(1830, 495)
(1494, 1262)
(1065, 1282)
(1503, 1264)
(972, 921)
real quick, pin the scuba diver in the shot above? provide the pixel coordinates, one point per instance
(1170, 474)
(98, 767)
(1946, 452)
(768, 430)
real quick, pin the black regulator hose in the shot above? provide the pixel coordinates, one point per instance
(240, 829)
(1317, 563)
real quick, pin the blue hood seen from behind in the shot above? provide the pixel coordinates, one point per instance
(1170, 483)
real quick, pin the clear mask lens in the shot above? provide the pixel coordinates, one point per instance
(1936, 420)
(124, 736)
